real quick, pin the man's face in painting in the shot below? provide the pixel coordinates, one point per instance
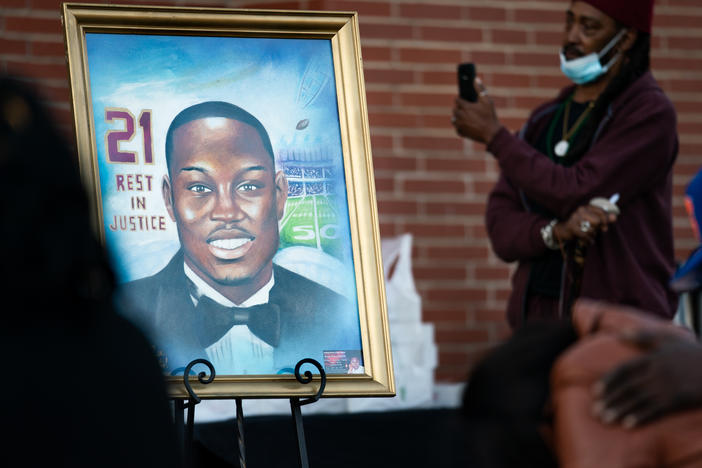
(226, 199)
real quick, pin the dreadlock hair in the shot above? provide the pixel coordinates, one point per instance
(637, 63)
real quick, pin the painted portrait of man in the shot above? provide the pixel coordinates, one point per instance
(223, 198)
(220, 296)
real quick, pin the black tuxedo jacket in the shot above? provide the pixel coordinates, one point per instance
(313, 318)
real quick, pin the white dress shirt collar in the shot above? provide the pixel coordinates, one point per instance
(203, 289)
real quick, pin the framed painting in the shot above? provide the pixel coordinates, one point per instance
(227, 158)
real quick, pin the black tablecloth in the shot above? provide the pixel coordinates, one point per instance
(421, 438)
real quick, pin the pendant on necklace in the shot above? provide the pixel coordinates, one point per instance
(561, 148)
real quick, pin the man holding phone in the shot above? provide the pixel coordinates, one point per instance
(611, 135)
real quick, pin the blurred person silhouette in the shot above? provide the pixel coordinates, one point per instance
(667, 377)
(508, 401)
(85, 388)
(612, 136)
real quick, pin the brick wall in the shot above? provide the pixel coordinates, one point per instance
(429, 182)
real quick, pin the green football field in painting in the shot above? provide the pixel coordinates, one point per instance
(312, 221)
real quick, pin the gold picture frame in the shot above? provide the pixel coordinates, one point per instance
(132, 69)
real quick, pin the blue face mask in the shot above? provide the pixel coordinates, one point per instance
(585, 69)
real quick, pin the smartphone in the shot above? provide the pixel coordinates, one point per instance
(466, 77)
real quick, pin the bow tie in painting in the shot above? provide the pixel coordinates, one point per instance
(216, 320)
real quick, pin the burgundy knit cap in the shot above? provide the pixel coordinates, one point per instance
(633, 13)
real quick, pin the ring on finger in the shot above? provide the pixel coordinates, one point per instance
(483, 93)
(585, 226)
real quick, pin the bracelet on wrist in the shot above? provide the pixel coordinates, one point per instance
(547, 235)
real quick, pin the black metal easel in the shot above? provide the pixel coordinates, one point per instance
(185, 429)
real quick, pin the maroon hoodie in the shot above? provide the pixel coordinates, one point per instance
(632, 154)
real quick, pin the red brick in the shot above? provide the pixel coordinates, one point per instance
(384, 184)
(434, 186)
(53, 5)
(690, 148)
(451, 35)
(438, 77)
(378, 98)
(461, 336)
(535, 60)
(384, 31)
(541, 16)
(33, 25)
(492, 273)
(453, 357)
(273, 6)
(683, 43)
(436, 230)
(693, 128)
(691, 21)
(379, 54)
(555, 81)
(456, 165)
(387, 207)
(416, 55)
(392, 119)
(483, 187)
(455, 208)
(490, 315)
(679, 211)
(439, 272)
(450, 374)
(363, 8)
(528, 102)
(509, 36)
(436, 121)
(512, 80)
(422, 11)
(394, 163)
(443, 314)
(38, 70)
(687, 86)
(381, 141)
(388, 76)
(687, 106)
(682, 232)
(427, 99)
(11, 46)
(554, 38)
(504, 294)
(676, 63)
(388, 230)
(695, 3)
(487, 58)
(432, 143)
(512, 123)
(486, 14)
(458, 252)
(478, 232)
(56, 49)
(686, 169)
(14, 3)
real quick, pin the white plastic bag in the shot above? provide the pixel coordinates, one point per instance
(413, 349)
